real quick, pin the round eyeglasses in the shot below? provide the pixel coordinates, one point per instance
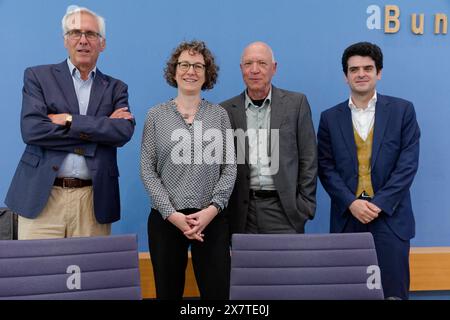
(184, 66)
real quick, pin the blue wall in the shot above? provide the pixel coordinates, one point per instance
(308, 38)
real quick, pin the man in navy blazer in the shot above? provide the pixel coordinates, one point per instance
(73, 119)
(368, 152)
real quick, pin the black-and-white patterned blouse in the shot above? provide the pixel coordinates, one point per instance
(187, 165)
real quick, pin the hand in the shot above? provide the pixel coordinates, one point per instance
(59, 118)
(121, 113)
(179, 220)
(200, 220)
(364, 211)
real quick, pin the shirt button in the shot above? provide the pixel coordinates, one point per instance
(55, 168)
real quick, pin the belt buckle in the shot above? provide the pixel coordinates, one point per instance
(365, 196)
(257, 193)
(68, 184)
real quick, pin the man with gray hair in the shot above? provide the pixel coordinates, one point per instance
(275, 189)
(72, 121)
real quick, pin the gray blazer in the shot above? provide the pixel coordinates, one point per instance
(296, 179)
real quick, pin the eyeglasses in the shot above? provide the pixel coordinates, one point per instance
(76, 35)
(184, 66)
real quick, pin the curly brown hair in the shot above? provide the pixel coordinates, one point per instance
(211, 68)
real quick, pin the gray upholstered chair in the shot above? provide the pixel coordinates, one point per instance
(304, 266)
(74, 268)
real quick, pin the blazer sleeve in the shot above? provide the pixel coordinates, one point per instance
(330, 178)
(102, 129)
(400, 180)
(307, 160)
(37, 128)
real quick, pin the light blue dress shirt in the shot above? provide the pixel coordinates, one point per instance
(74, 165)
(258, 131)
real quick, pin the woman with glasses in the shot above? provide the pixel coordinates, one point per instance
(188, 168)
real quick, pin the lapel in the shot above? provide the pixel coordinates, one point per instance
(346, 125)
(240, 120)
(277, 110)
(98, 88)
(65, 82)
(382, 112)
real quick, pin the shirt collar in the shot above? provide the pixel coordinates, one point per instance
(370, 107)
(267, 100)
(74, 72)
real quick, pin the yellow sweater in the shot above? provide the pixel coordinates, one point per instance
(364, 154)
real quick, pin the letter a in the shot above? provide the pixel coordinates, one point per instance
(74, 281)
(374, 280)
(374, 20)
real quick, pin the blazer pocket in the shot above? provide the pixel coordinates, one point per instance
(30, 159)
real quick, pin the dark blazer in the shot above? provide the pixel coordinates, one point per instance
(49, 89)
(395, 157)
(296, 178)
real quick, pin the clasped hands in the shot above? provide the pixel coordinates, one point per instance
(192, 225)
(364, 211)
(120, 113)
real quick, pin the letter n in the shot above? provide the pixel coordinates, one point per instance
(440, 19)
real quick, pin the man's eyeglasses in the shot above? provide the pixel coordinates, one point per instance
(76, 35)
(184, 66)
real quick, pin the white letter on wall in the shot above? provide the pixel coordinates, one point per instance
(374, 20)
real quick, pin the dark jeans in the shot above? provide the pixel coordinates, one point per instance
(210, 259)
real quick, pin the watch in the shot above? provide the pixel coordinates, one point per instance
(219, 209)
(68, 121)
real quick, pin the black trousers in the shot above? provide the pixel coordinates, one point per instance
(392, 254)
(210, 259)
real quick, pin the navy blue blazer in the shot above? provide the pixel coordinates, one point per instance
(394, 163)
(49, 89)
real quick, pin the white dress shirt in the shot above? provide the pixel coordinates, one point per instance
(363, 118)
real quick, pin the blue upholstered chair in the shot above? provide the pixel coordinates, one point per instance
(304, 266)
(74, 268)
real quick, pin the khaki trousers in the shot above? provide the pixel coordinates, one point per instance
(69, 213)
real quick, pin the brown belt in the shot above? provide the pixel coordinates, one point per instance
(72, 183)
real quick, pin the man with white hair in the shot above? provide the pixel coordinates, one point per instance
(275, 189)
(72, 121)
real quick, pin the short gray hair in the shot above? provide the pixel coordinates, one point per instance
(71, 10)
